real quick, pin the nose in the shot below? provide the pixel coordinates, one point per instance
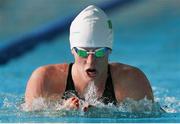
(91, 59)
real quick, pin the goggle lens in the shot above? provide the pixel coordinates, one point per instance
(82, 53)
(99, 53)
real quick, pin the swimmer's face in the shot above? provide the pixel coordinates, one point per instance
(91, 63)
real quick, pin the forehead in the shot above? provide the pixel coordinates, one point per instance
(90, 48)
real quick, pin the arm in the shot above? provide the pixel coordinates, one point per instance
(141, 85)
(35, 85)
(130, 82)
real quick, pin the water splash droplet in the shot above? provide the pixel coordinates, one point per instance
(90, 94)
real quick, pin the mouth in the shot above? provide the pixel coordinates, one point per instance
(91, 72)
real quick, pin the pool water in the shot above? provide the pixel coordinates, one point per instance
(145, 39)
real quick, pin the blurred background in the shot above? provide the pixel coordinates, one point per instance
(146, 35)
(21, 16)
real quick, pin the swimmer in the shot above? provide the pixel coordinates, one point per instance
(91, 43)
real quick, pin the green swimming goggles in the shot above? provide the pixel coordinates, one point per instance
(99, 53)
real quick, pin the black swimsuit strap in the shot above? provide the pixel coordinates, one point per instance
(70, 88)
(70, 83)
(108, 94)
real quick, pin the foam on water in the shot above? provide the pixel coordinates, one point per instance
(170, 104)
(13, 105)
(91, 96)
(129, 105)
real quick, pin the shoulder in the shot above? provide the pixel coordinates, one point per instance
(125, 70)
(55, 73)
(130, 81)
(128, 74)
(46, 81)
(50, 71)
(52, 68)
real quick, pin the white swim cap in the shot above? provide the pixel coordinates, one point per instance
(91, 28)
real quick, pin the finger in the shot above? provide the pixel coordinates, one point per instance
(85, 109)
(77, 105)
(76, 100)
(73, 98)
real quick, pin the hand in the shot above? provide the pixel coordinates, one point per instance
(71, 103)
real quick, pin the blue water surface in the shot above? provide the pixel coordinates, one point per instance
(144, 38)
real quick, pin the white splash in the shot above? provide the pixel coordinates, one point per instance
(130, 105)
(90, 94)
(6, 103)
(40, 103)
(37, 104)
(169, 103)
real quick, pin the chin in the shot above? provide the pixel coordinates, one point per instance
(90, 79)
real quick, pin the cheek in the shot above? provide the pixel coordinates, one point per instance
(80, 61)
(103, 60)
(102, 63)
